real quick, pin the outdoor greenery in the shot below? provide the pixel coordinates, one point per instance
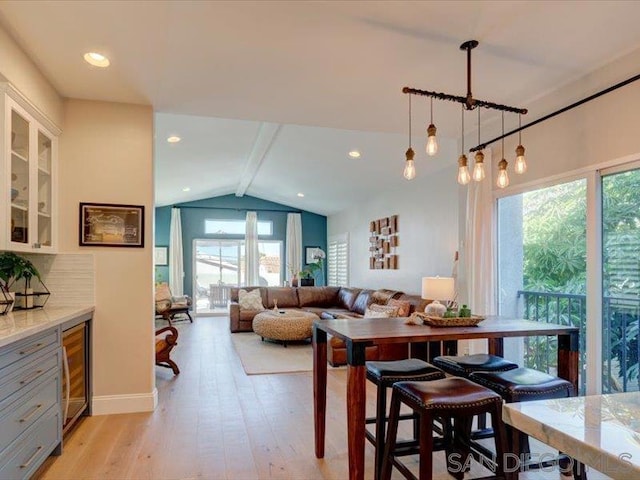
(554, 250)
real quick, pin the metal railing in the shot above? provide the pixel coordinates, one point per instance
(620, 332)
(219, 295)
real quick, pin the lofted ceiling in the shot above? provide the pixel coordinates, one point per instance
(270, 96)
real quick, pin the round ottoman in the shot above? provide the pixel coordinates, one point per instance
(284, 325)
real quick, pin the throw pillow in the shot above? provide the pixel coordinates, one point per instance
(368, 313)
(250, 300)
(404, 307)
(387, 311)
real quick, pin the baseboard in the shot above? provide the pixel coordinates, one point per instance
(112, 404)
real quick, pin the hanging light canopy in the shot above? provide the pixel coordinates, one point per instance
(468, 103)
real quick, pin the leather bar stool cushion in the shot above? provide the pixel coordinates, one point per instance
(452, 394)
(523, 384)
(464, 365)
(387, 373)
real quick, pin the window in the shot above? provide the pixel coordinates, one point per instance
(338, 261)
(235, 227)
(542, 267)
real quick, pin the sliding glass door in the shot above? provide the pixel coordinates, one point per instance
(219, 265)
(542, 267)
(620, 280)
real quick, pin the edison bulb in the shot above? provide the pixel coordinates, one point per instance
(463, 170)
(503, 176)
(409, 169)
(521, 163)
(478, 168)
(432, 142)
(409, 165)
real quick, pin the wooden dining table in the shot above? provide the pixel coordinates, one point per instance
(361, 333)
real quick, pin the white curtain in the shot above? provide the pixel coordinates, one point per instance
(176, 267)
(251, 254)
(479, 251)
(294, 244)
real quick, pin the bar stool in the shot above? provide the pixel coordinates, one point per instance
(522, 385)
(456, 399)
(384, 375)
(463, 366)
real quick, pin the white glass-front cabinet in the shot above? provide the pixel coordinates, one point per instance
(30, 155)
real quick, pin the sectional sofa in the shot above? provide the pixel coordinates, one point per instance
(327, 302)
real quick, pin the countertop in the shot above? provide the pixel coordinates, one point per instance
(24, 323)
(602, 431)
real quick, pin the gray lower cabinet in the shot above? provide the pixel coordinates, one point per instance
(30, 403)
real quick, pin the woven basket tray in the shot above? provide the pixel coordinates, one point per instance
(471, 321)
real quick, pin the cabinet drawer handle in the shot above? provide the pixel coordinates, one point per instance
(35, 454)
(33, 412)
(31, 377)
(31, 349)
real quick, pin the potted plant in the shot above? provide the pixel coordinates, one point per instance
(14, 268)
(308, 274)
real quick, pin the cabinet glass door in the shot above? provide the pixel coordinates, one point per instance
(44, 190)
(20, 187)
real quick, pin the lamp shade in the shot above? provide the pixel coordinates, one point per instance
(438, 288)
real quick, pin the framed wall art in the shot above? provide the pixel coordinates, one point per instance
(161, 256)
(309, 253)
(111, 225)
(383, 241)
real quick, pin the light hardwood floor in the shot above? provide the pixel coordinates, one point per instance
(215, 422)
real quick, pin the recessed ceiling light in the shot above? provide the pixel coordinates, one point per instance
(96, 59)
(173, 139)
(354, 154)
(301, 195)
(186, 189)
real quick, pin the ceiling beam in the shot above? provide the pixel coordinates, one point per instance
(265, 138)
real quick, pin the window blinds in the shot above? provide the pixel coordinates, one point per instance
(338, 262)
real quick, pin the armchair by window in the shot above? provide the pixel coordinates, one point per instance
(168, 306)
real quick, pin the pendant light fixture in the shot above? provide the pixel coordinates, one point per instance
(503, 176)
(521, 163)
(478, 168)
(409, 164)
(469, 102)
(463, 167)
(432, 142)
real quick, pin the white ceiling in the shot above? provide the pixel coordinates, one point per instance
(286, 68)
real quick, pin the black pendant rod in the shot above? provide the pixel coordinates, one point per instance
(558, 112)
(464, 100)
(469, 102)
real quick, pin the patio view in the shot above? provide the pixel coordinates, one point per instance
(542, 271)
(219, 265)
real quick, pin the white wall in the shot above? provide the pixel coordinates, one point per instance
(427, 210)
(107, 157)
(17, 68)
(599, 131)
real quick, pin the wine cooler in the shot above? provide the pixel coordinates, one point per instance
(75, 384)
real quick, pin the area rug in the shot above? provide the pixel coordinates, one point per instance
(260, 357)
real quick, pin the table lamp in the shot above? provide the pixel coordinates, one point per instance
(437, 288)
